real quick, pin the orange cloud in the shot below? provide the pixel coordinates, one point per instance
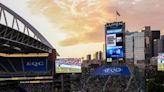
(83, 20)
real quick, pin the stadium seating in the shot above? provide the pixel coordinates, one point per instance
(41, 87)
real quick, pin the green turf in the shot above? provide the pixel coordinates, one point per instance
(67, 70)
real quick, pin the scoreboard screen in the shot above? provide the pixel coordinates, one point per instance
(160, 66)
(114, 39)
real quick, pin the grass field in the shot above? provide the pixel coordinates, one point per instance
(67, 70)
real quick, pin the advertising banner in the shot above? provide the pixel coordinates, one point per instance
(112, 70)
(35, 64)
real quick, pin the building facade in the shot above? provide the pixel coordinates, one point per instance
(134, 47)
(150, 36)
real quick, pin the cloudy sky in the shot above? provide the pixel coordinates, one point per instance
(76, 27)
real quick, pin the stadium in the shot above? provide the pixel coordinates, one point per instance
(26, 57)
(28, 63)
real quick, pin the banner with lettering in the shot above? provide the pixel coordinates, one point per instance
(112, 70)
(35, 64)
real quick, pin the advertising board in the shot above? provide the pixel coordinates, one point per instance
(35, 64)
(112, 70)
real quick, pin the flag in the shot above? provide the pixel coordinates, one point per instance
(117, 13)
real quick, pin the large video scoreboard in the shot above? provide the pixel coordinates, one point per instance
(160, 66)
(68, 65)
(114, 41)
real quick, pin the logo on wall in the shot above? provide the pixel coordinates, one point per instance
(112, 70)
(35, 64)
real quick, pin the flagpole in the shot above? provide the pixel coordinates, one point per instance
(117, 14)
(116, 17)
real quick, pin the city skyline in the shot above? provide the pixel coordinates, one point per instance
(76, 28)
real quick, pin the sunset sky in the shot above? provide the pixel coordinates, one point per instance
(76, 27)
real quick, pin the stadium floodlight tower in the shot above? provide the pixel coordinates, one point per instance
(115, 42)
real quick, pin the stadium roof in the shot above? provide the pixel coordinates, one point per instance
(37, 36)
